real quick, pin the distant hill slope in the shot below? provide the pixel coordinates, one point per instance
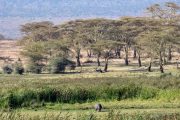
(14, 13)
(9, 50)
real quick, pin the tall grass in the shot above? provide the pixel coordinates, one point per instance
(111, 115)
(37, 91)
(56, 81)
(39, 97)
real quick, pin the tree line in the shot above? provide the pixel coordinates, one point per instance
(155, 35)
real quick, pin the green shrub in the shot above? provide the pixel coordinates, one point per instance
(169, 94)
(148, 93)
(7, 69)
(14, 101)
(58, 65)
(39, 97)
(19, 69)
(49, 95)
(130, 91)
(165, 75)
(35, 67)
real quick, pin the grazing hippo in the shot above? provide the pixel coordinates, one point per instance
(99, 70)
(98, 107)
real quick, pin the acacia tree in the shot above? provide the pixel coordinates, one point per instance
(142, 25)
(169, 14)
(142, 42)
(39, 31)
(42, 42)
(71, 32)
(114, 33)
(56, 48)
(175, 41)
(102, 30)
(129, 30)
(105, 48)
(34, 53)
(172, 10)
(80, 34)
(92, 33)
(139, 53)
(40, 53)
(96, 46)
(156, 42)
(100, 44)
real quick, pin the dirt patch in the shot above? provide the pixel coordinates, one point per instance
(9, 50)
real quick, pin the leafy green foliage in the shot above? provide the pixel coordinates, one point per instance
(44, 41)
(27, 97)
(34, 51)
(35, 67)
(7, 69)
(40, 90)
(19, 69)
(58, 64)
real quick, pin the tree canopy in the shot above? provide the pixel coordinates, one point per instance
(154, 35)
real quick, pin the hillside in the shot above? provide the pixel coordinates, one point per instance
(9, 50)
(17, 12)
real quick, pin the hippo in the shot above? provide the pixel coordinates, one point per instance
(98, 107)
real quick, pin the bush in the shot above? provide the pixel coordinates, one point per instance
(7, 69)
(19, 69)
(14, 101)
(130, 91)
(58, 65)
(35, 68)
(148, 93)
(26, 98)
(162, 76)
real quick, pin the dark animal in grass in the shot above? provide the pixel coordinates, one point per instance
(98, 107)
(99, 70)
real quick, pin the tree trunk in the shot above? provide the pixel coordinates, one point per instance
(135, 55)
(169, 53)
(126, 56)
(106, 65)
(164, 58)
(126, 62)
(98, 61)
(149, 67)
(78, 58)
(89, 53)
(118, 52)
(161, 63)
(161, 68)
(139, 61)
(78, 61)
(115, 51)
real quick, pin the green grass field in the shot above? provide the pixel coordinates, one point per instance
(124, 95)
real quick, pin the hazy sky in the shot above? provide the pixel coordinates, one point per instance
(14, 13)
